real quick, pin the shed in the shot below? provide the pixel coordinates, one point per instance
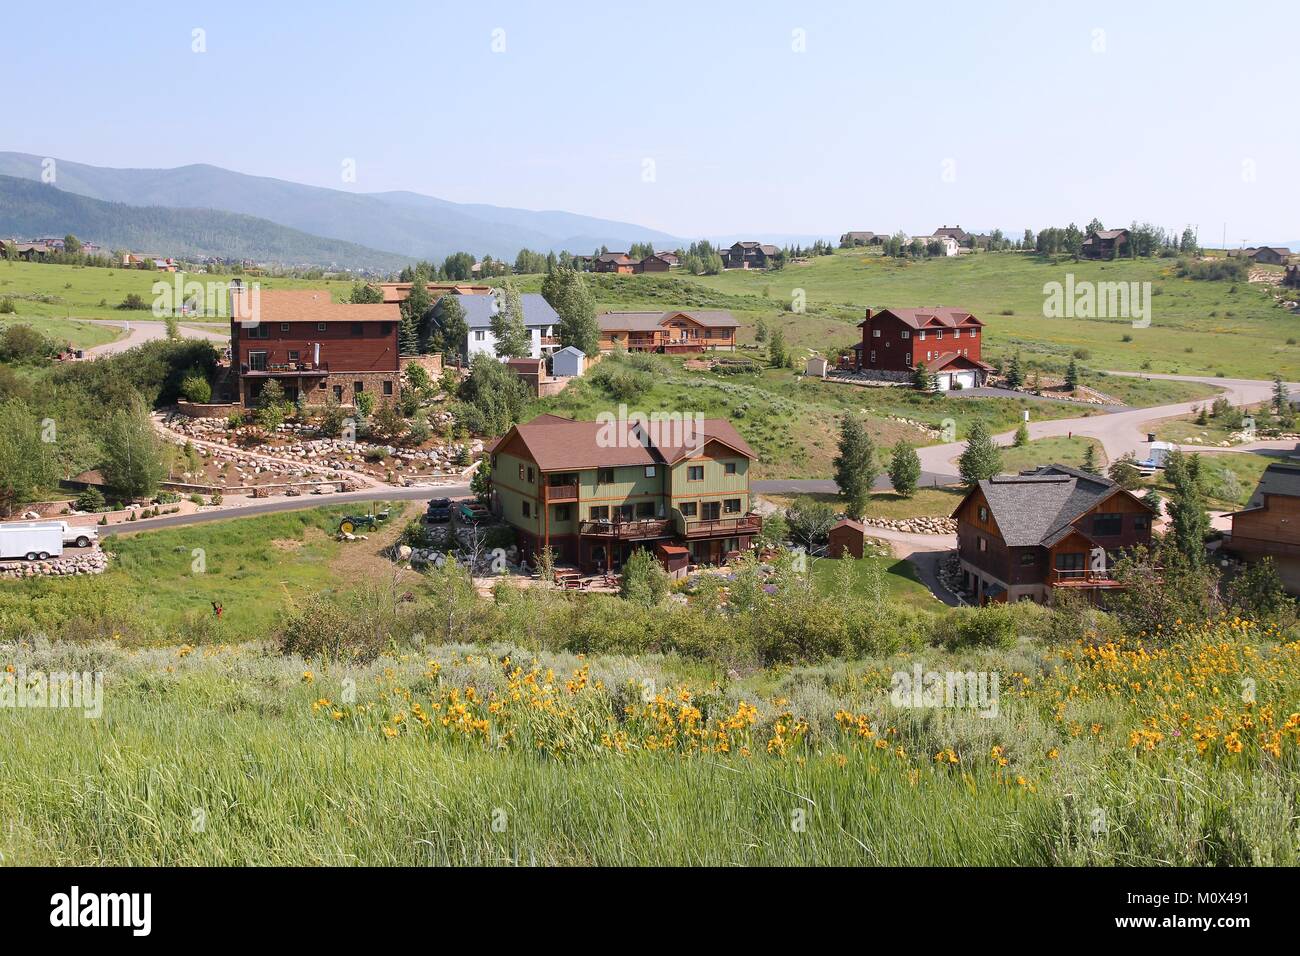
(816, 367)
(846, 535)
(674, 558)
(568, 362)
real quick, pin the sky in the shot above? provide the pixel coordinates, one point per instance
(700, 118)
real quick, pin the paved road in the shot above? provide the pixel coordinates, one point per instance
(140, 331)
(302, 503)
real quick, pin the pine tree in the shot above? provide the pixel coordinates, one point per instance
(1189, 522)
(904, 469)
(855, 465)
(1072, 376)
(760, 331)
(1281, 398)
(776, 349)
(1022, 435)
(922, 380)
(1090, 458)
(981, 459)
(567, 293)
(508, 328)
(1014, 376)
(414, 308)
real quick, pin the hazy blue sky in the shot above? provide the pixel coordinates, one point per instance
(1179, 113)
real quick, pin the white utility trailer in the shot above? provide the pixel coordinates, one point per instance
(31, 540)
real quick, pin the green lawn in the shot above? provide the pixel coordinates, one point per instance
(159, 580)
(926, 503)
(79, 333)
(900, 577)
(1048, 451)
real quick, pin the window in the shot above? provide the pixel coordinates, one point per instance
(645, 509)
(358, 328)
(729, 468)
(906, 334)
(320, 326)
(561, 512)
(984, 513)
(284, 326)
(258, 331)
(604, 476)
(873, 356)
(527, 508)
(923, 335)
(521, 471)
(293, 355)
(388, 387)
(875, 333)
(530, 474)
(358, 387)
(972, 333)
(1141, 523)
(321, 386)
(599, 513)
(626, 512)
(479, 335)
(983, 544)
(257, 361)
(731, 506)
(1071, 561)
(689, 509)
(1028, 559)
(338, 393)
(711, 510)
(939, 334)
(695, 473)
(649, 471)
(1105, 526)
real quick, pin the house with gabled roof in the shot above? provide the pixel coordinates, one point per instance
(1272, 255)
(596, 491)
(1026, 537)
(1269, 525)
(748, 255)
(539, 318)
(676, 330)
(1104, 244)
(956, 233)
(946, 341)
(617, 262)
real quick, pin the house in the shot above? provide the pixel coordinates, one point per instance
(860, 238)
(845, 537)
(748, 255)
(672, 331)
(401, 291)
(314, 347)
(617, 262)
(956, 233)
(568, 362)
(655, 263)
(1269, 525)
(539, 318)
(669, 257)
(1104, 243)
(1272, 255)
(31, 251)
(948, 246)
(594, 492)
(946, 341)
(1026, 537)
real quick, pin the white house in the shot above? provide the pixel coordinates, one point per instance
(949, 245)
(567, 362)
(539, 318)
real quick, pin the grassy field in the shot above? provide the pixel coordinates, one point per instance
(233, 756)
(1049, 451)
(900, 579)
(253, 566)
(926, 503)
(79, 333)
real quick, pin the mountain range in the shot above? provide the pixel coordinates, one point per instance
(407, 224)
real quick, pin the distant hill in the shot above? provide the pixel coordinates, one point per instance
(412, 224)
(33, 209)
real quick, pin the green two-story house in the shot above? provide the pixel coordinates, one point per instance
(594, 491)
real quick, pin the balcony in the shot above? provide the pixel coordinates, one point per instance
(638, 529)
(1260, 546)
(720, 527)
(1082, 578)
(286, 370)
(554, 494)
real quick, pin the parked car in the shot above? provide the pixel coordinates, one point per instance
(439, 510)
(471, 512)
(31, 540)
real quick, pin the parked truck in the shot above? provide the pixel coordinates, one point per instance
(83, 536)
(31, 540)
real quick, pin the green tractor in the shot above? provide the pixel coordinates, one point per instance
(350, 524)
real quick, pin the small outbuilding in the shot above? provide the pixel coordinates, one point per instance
(846, 535)
(568, 362)
(675, 559)
(816, 367)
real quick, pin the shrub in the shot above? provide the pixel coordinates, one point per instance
(133, 302)
(195, 388)
(90, 500)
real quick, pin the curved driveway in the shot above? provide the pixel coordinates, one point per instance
(140, 331)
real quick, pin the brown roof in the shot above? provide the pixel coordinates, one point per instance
(1106, 234)
(848, 523)
(927, 318)
(945, 359)
(648, 321)
(563, 444)
(310, 305)
(398, 291)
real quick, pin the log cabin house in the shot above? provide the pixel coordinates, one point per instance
(1025, 537)
(672, 331)
(1269, 525)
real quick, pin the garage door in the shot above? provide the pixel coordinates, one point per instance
(965, 379)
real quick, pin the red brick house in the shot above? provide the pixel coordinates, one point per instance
(314, 347)
(946, 341)
(1026, 537)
